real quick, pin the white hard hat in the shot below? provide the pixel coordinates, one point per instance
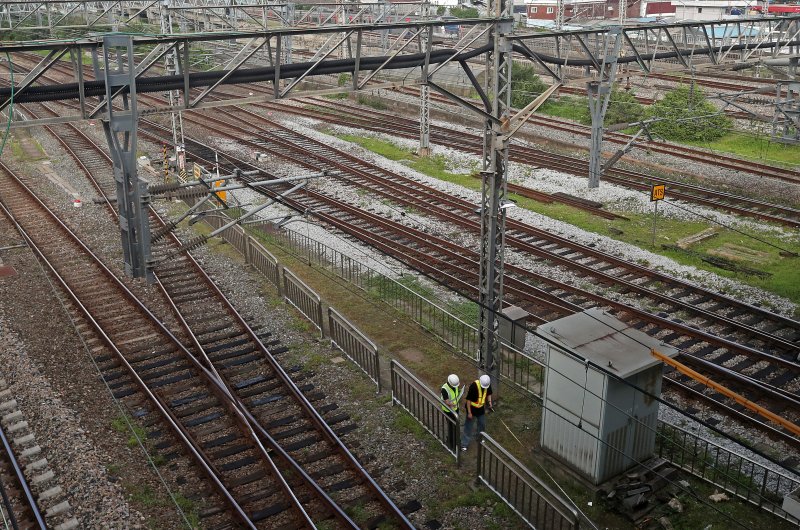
(452, 380)
(485, 381)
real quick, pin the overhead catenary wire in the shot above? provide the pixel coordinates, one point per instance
(637, 420)
(704, 423)
(174, 496)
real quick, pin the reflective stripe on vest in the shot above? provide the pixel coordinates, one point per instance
(454, 396)
(481, 395)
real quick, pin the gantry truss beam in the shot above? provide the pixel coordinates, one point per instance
(689, 44)
(190, 15)
(281, 78)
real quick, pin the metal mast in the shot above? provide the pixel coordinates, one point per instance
(495, 160)
(599, 92)
(119, 126)
(426, 37)
(560, 15)
(171, 67)
(786, 120)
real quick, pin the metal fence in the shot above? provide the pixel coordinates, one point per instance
(419, 401)
(355, 345)
(303, 298)
(516, 367)
(436, 319)
(725, 469)
(702, 458)
(264, 262)
(526, 494)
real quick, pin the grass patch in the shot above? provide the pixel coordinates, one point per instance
(357, 512)
(434, 166)
(124, 424)
(783, 278)
(404, 421)
(567, 107)
(758, 148)
(375, 103)
(145, 495)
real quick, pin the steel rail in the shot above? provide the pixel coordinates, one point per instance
(252, 423)
(233, 403)
(19, 476)
(465, 142)
(653, 319)
(198, 456)
(661, 322)
(424, 263)
(311, 412)
(432, 205)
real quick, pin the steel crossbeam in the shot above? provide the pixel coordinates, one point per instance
(194, 15)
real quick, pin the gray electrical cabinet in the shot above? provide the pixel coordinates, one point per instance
(597, 424)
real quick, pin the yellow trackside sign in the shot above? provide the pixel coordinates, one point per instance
(223, 195)
(657, 192)
(197, 171)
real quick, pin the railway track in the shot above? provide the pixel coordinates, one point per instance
(711, 351)
(689, 153)
(18, 504)
(276, 420)
(544, 297)
(394, 125)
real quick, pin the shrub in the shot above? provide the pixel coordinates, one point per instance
(687, 115)
(464, 12)
(525, 85)
(623, 108)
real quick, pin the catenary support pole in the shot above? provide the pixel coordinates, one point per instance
(599, 92)
(426, 39)
(494, 186)
(120, 129)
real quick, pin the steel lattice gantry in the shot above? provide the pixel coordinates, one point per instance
(190, 15)
(578, 56)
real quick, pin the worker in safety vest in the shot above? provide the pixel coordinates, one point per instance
(451, 395)
(478, 396)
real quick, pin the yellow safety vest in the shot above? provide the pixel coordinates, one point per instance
(454, 396)
(481, 395)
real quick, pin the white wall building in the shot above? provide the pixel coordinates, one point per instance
(706, 9)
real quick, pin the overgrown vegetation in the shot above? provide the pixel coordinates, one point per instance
(147, 496)
(525, 85)
(344, 79)
(754, 147)
(686, 115)
(124, 424)
(623, 108)
(464, 12)
(375, 103)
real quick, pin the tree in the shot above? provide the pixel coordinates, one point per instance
(464, 12)
(623, 108)
(440, 10)
(687, 115)
(525, 85)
